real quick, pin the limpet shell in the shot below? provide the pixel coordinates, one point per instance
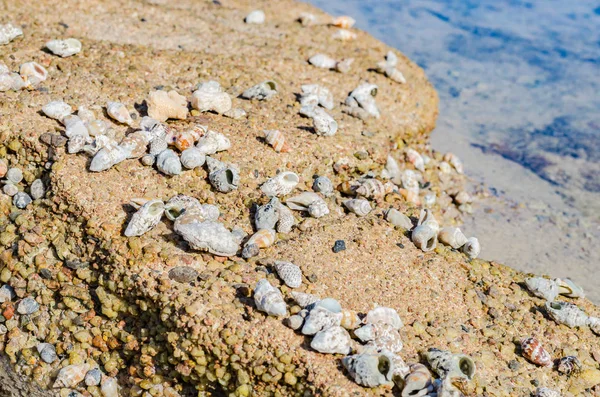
(268, 299)
(533, 351)
(146, 218)
(280, 185)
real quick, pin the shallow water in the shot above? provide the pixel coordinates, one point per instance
(518, 83)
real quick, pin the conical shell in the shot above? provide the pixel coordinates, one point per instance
(372, 188)
(146, 218)
(168, 162)
(286, 219)
(224, 179)
(268, 299)
(324, 96)
(303, 299)
(428, 219)
(184, 139)
(566, 313)
(453, 237)
(57, 110)
(364, 96)
(110, 155)
(567, 287)
(370, 370)
(71, 375)
(533, 350)
(117, 111)
(289, 273)
(276, 139)
(472, 248)
(397, 218)
(263, 238)
(136, 143)
(381, 337)
(302, 201)
(334, 340)
(424, 238)
(206, 235)
(280, 185)
(359, 206)
(318, 209)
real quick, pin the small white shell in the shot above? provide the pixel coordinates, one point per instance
(568, 288)
(235, 113)
(33, 74)
(152, 128)
(359, 206)
(318, 209)
(322, 61)
(323, 123)
(449, 365)
(380, 337)
(206, 235)
(163, 105)
(263, 238)
(213, 142)
(9, 32)
(210, 97)
(74, 126)
(146, 218)
(335, 340)
(373, 188)
(343, 21)
(455, 161)
(453, 237)
(306, 18)
(281, 184)
(286, 219)
(415, 159)
(302, 201)
(417, 382)
(289, 273)
(108, 156)
(224, 177)
(397, 218)
(276, 139)
(303, 299)
(192, 158)
(542, 287)
(370, 370)
(267, 216)
(424, 237)
(71, 375)
(319, 319)
(64, 48)
(256, 16)
(566, 313)
(262, 91)
(95, 128)
(10, 189)
(117, 111)
(323, 185)
(85, 114)
(268, 299)
(168, 162)
(594, 323)
(57, 110)
(364, 96)
(157, 146)
(392, 169)
(472, 247)
(385, 315)
(324, 96)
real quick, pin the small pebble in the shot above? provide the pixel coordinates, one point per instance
(256, 16)
(37, 189)
(47, 352)
(21, 200)
(14, 175)
(183, 274)
(294, 322)
(28, 306)
(339, 245)
(64, 48)
(3, 168)
(93, 377)
(10, 189)
(514, 365)
(7, 293)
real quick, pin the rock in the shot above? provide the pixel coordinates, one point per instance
(7, 293)
(93, 377)
(47, 352)
(28, 306)
(164, 105)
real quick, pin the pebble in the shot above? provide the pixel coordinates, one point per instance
(37, 189)
(3, 168)
(10, 189)
(14, 175)
(294, 322)
(256, 16)
(47, 352)
(21, 200)
(28, 306)
(93, 377)
(183, 274)
(7, 293)
(8, 32)
(340, 245)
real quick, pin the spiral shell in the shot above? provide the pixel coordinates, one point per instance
(391, 72)
(57, 110)
(163, 105)
(472, 247)
(256, 17)
(168, 162)
(419, 379)
(263, 238)
(568, 365)
(303, 299)
(358, 206)
(206, 235)
(364, 96)
(267, 215)
(117, 111)
(453, 237)
(343, 21)
(280, 185)
(224, 177)
(303, 201)
(323, 95)
(370, 370)
(320, 318)
(384, 315)
(192, 158)
(542, 287)
(289, 273)
(111, 154)
(213, 142)
(533, 350)
(71, 375)
(424, 237)
(334, 340)
(397, 218)
(322, 61)
(268, 299)
(449, 365)
(323, 123)
(323, 185)
(286, 219)
(262, 91)
(276, 139)
(373, 189)
(32, 74)
(64, 48)
(182, 204)
(567, 287)
(566, 313)
(146, 218)
(415, 159)
(210, 97)
(318, 209)
(152, 128)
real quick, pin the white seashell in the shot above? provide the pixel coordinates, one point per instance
(318, 209)
(303, 299)
(417, 382)
(364, 96)
(370, 370)
(263, 238)
(424, 237)
(85, 114)
(323, 123)
(568, 288)
(57, 110)
(320, 318)
(472, 248)
(9, 32)
(449, 365)
(64, 48)
(168, 162)
(33, 74)
(152, 128)
(207, 236)
(385, 315)
(71, 375)
(445, 167)
(542, 287)
(546, 392)
(306, 19)
(410, 180)
(192, 158)
(454, 161)
(323, 185)
(213, 142)
(268, 299)
(289, 273)
(343, 21)
(324, 96)
(157, 146)
(74, 126)
(146, 218)
(334, 340)
(210, 97)
(415, 159)
(391, 72)
(392, 169)
(109, 387)
(76, 144)
(235, 113)
(322, 61)
(263, 91)
(566, 313)
(14, 175)
(276, 139)
(117, 111)
(397, 218)
(280, 185)
(594, 323)
(108, 156)
(344, 35)
(380, 337)
(267, 215)
(224, 177)
(302, 201)
(426, 218)
(286, 219)
(359, 206)
(256, 16)
(148, 160)
(391, 58)
(37, 189)
(344, 65)
(453, 237)
(373, 188)
(180, 204)
(164, 105)
(96, 127)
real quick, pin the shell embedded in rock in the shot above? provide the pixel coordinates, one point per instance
(450, 365)
(212, 142)
(268, 299)
(224, 177)
(566, 313)
(276, 139)
(334, 340)
(472, 247)
(267, 216)
(323, 185)
(210, 97)
(71, 375)
(320, 318)
(64, 48)
(33, 73)
(168, 162)
(163, 105)
(418, 380)
(57, 110)
(385, 315)
(343, 21)
(359, 206)
(533, 351)
(204, 235)
(146, 218)
(21, 200)
(117, 111)
(192, 158)
(324, 96)
(397, 218)
(286, 219)
(370, 370)
(567, 365)
(109, 387)
(415, 159)
(322, 61)
(452, 236)
(289, 273)
(323, 123)
(542, 287)
(256, 16)
(262, 91)
(318, 209)
(280, 185)
(568, 288)
(364, 96)
(455, 161)
(303, 299)
(14, 175)
(546, 392)
(9, 32)
(373, 188)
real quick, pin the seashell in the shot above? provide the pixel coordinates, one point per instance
(85, 114)
(136, 143)
(146, 218)
(334, 340)
(566, 313)
(47, 352)
(33, 74)
(415, 159)
(37, 189)
(568, 365)
(294, 322)
(224, 177)
(21, 200)
(546, 392)
(235, 113)
(306, 19)
(391, 72)
(449, 365)
(391, 59)
(263, 238)
(268, 299)
(97, 144)
(372, 189)
(350, 319)
(385, 315)
(11, 81)
(542, 287)
(410, 180)
(64, 48)
(192, 158)
(370, 370)
(168, 162)
(96, 127)
(152, 128)
(163, 105)
(256, 16)
(380, 337)
(397, 218)
(210, 97)
(323, 123)
(344, 35)
(206, 235)
(286, 219)
(148, 160)
(445, 167)
(263, 91)
(14, 175)
(594, 323)
(10, 189)
(117, 111)
(109, 387)
(323, 185)
(343, 21)
(364, 96)
(9, 32)
(417, 380)
(533, 351)
(453, 160)
(281, 184)
(391, 170)
(180, 204)
(57, 110)
(318, 209)
(108, 156)
(289, 273)
(453, 237)
(568, 288)
(302, 201)
(320, 318)
(71, 375)
(358, 206)
(267, 215)
(324, 96)
(472, 248)
(213, 142)
(276, 139)
(429, 200)
(322, 61)
(183, 139)
(303, 299)
(330, 304)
